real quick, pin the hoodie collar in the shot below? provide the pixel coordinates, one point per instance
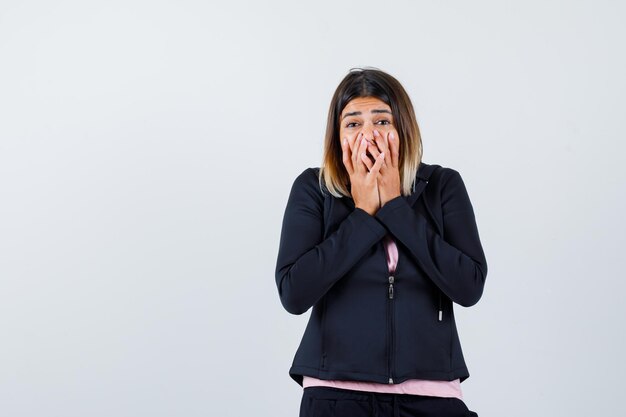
(423, 175)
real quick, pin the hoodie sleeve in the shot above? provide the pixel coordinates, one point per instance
(457, 265)
(308, 265)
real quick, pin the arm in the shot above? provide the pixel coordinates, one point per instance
(456, 265)
(308, 266)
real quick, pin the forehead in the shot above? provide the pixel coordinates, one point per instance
(364, 104)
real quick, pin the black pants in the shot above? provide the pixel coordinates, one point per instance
(339, 402)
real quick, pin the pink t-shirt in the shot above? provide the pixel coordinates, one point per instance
(411, 386)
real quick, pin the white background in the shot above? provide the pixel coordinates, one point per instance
(147, 149)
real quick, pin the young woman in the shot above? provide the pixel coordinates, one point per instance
(381, 245)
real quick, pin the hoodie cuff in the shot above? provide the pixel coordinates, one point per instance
(370, 221)
(385, 212)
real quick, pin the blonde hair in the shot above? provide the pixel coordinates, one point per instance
(370, 82)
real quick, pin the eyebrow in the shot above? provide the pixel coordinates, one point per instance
(356, 113)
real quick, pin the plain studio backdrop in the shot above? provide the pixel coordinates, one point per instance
(148, 149)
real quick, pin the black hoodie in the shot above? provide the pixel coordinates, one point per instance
(368, 325)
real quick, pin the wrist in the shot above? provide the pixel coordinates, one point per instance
(391, 199)
(369, 210)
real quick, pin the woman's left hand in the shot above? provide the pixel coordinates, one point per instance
(389, 174)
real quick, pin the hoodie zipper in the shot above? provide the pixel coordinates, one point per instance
(391, 293)
(390, 303)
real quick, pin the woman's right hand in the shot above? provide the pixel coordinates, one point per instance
(363, 184)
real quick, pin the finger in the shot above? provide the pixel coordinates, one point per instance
(375, 151)
(355, 154)
(381, 146)
(346, 153)
(379, 163)
(352, 140)
(368, 162)
(394, 148)
(361, 151)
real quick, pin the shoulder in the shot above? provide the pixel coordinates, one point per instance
(438, 175)
(308, 177)
(449, 174)
(450, 186)
(445, 183)
(307, 184)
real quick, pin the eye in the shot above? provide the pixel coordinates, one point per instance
(386, 122)
(350, 124)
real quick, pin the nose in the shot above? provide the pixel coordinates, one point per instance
(368, 133)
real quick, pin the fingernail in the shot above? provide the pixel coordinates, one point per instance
(376, 133)
(382, 155)
(391, 135)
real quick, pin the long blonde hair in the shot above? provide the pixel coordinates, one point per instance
(370, 82)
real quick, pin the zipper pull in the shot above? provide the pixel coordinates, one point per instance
(391, 380)
(440, 309)
(391, 279)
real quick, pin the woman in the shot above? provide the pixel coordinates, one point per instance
(381, 245)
